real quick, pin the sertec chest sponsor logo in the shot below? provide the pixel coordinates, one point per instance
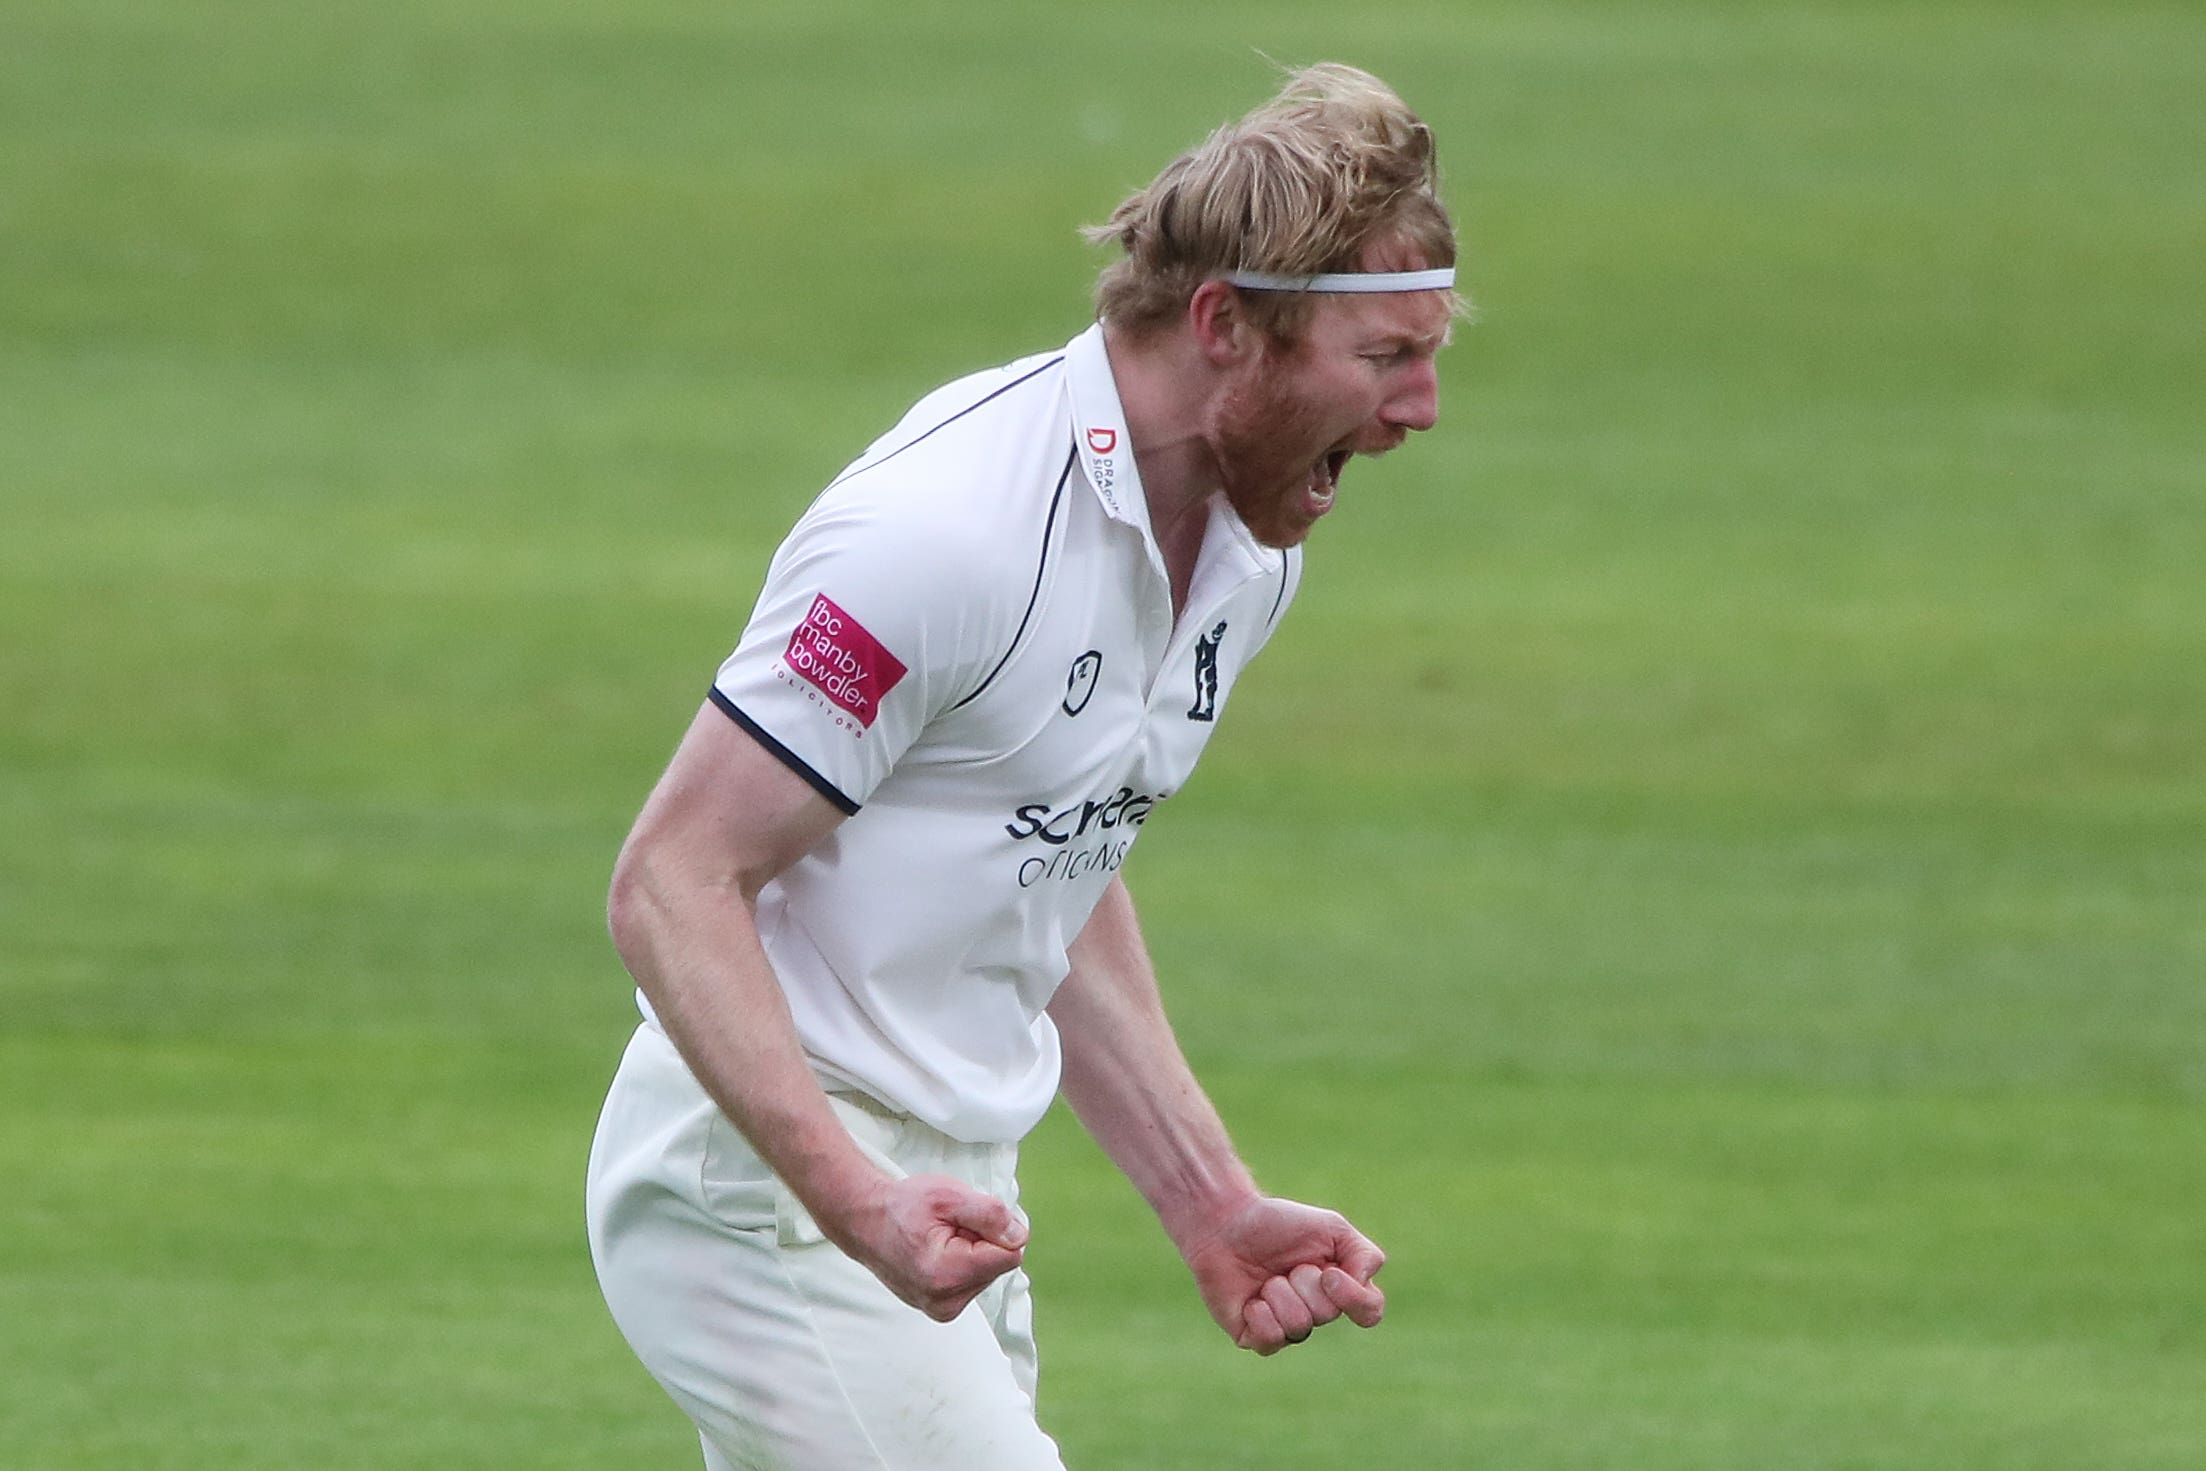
(832, 652)
(1086, 837)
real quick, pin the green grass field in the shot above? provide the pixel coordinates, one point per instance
(1712, 875)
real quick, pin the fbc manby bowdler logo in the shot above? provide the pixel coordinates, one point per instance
(832, 652)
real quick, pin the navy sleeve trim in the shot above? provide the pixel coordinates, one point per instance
(1049, 529)
(783, 754)
(946, 423)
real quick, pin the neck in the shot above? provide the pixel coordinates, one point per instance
(1165, 391)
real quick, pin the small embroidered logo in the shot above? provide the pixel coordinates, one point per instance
(1080, 683)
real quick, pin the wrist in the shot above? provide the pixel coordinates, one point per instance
(843, 1191)
(1193, 1217)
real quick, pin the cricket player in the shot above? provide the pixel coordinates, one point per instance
(874, 908)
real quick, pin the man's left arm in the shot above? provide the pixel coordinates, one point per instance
(1271, 1271)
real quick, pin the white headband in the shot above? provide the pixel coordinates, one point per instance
(1346, 281)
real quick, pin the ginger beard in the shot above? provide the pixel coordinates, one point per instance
(1277, 463)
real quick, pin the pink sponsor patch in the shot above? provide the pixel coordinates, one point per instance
(833, 652)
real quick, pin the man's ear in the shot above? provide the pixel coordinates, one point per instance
(1222, 332)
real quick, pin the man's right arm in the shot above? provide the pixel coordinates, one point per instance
(723, 821)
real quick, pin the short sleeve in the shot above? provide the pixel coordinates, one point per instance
(869, 626)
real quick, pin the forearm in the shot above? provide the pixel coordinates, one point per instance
(1130, 1085)
(1271, 1271)
(692, 946)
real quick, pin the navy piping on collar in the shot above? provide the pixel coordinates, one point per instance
(1277, 602)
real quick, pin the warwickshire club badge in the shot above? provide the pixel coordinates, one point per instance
(1206, 674)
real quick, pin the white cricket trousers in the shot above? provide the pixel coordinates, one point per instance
(788, 1355)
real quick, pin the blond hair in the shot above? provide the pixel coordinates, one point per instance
(1304, 184)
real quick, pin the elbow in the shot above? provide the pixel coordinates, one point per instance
(640, 915)
(656, 893)
(627, 906)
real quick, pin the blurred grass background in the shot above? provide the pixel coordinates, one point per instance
(1711, 875)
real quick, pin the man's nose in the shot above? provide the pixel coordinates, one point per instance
(1415, 402)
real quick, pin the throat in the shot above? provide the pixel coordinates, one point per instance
(1182, 545)
(1179, 571)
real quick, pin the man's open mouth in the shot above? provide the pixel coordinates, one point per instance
(1325, 475)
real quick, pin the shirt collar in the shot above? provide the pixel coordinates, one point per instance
(1107, 455)
(1099, 431)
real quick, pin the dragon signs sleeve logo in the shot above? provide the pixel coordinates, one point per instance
(832, 652)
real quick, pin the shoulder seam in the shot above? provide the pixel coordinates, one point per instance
(946, 423)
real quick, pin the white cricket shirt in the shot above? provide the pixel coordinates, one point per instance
(967, 644)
